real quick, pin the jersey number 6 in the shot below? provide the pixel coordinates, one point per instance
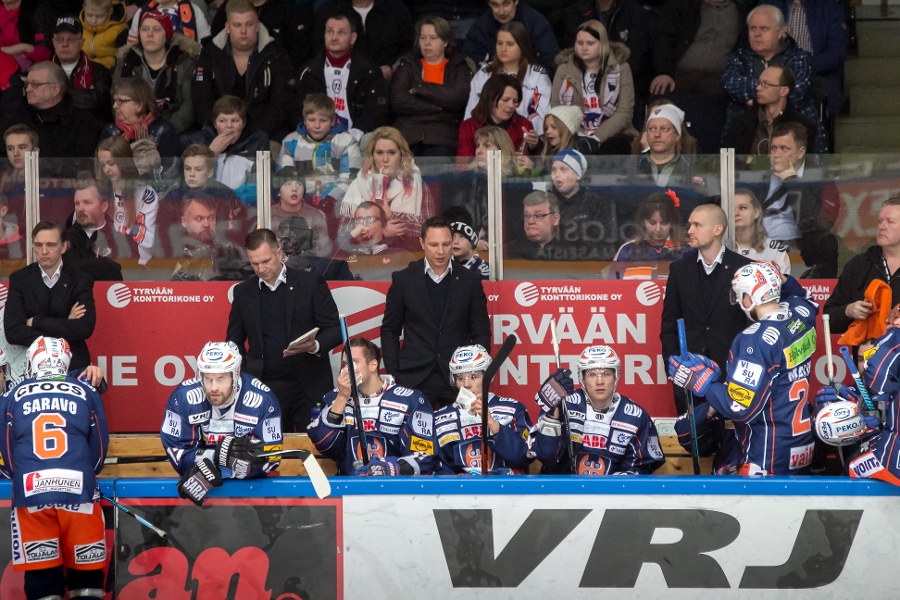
(50, 439)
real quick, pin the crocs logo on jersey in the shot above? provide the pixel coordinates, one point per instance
(65, 481)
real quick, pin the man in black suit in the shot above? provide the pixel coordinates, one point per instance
(271, 310)
(438, 305)
(698, 291)
(51, 298)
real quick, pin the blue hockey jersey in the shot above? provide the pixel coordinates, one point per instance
(398, 423)
(882, 376)
(620, 441)
(766, 392)
(53, 441)
(192, 426)
(458, 437)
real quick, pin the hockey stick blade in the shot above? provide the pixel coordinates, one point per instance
(317, 477)
(134, 516)
(857, 378)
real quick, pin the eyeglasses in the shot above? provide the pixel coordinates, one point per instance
(766, 85)
(121, 101)
(467, 376)
(36, 84)
(365, 220)
(538, 217)
(600, 374)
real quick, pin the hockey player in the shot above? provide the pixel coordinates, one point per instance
(458, 426)
(52, 445)
(611, 435)
(767, 388)
(397, 421)
(213, 421)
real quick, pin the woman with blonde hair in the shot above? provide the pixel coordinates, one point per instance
(494, 138)
(658, 231)
(390, 178)
(750, 234)
(135, 205)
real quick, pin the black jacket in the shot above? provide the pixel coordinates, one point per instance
(739, 133)
(367, 90)
(271, 85)
(83, 252)
(429, 340)
(64, 131)
(290, 24)
(28, 299)
(482, 37)
(428, 112)
(160, 132)
(452, 10)
(851, 286)
(309, 304)
(629, 23)
(387, 34)
(711, 324)
(97, 98)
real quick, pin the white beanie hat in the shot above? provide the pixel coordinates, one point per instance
(571, 116)
(670, 113)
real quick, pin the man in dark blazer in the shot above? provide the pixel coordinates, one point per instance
(51, 298)
(438, 305)
(274, 308)
(698, 290)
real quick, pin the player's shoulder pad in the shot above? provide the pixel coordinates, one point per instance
(257, 383)
(401, 392)
(189, 382)
(446, 414)
(630, 408)
(752, 329)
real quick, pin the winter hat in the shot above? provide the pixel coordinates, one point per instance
(573, 159)
(571, 116)
(466, 230)
(162, 19)
(670, 113)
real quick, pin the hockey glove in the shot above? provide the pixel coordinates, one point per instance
(693, 372)
(707, 431)
(554, 389)
(385, 467)
(197, 482)
(836, 393)
(234, 453)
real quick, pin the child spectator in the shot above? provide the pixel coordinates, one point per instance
(465, 239)
(104, 23)
(290, 204)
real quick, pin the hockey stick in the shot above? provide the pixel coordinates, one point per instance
(499, 358)
(826, 325)
(563, 409)
(137, 518)
(857, 379)
(317, 477)
(354, 394)
(692, 419)
(130, 460)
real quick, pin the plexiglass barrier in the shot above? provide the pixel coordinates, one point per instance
(623, 218)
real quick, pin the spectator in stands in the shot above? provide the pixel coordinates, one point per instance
(465, 242)
(587, 222)
(245, 61)
(25, 31)
(11, 241)
(12, 94)
(64, 130)
(460, 14)
(481, 40)
(596, 76)
(88, 81)
(104, 23)
(390, 178)
(541, 233)
(820, 28)
(880, 262)
(135, 205)
(429, 90)
(749, 132)
(289, 23)
(51, 298)
(234, 143)
(19, 140)
(204, 255)
(94, 245)
(291, 204)
(770, 45)
(562, 129)
(627, 22)
(658, 232)
(136, 118)
(296, 239)
(187, 18)
(668, 158)
(352, 80)
(500, 98)
(691, 44)
(750, 236)
(165, 60)
(384, 28)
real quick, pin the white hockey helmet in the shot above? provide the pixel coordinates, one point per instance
(598, 357)
(761, 281)
(839, 423)
(468, 358)
(221, 357)
(48, 358)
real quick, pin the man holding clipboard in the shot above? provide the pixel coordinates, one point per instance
(285, 322)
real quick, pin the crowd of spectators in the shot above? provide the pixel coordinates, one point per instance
(161, 107)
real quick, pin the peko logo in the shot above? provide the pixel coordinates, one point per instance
(648, 293)
(527, 294)
(119, 295)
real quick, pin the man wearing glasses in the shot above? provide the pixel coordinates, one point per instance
(541, 221)
(64, 130)
(88, 81)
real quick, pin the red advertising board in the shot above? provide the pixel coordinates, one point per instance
(149, 334)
